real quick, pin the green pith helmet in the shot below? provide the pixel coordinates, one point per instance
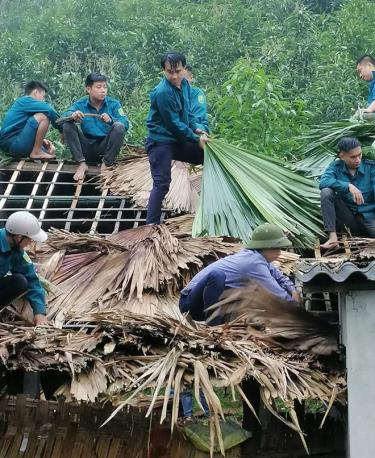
(268, 236)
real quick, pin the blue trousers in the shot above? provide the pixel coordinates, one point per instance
(204, 294)
(160, 156)
(22, 144)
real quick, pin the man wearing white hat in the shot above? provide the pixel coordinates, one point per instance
(17, 272)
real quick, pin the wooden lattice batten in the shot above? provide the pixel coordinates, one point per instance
(50, 193)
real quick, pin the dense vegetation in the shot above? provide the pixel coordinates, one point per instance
(270, 67)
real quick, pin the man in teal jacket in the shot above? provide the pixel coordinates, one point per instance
(198, 101)
(103, 126)
(17, 273)
(347, 193)
(25, 125)
(173, 131)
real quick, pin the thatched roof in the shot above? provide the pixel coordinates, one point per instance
(132, 178)
(112, 354)
(141, 270)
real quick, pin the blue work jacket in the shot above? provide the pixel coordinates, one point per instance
(338, 178)
(198, 106)
(170, 119)
(16, 261)
(94, 127)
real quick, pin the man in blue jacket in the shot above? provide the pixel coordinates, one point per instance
(198, 101)
(102, 126)
(25, 125)
(347, 193)
(173, 131)
(17, 273)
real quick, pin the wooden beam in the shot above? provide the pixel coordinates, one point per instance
(36, 186)
(50, 191)
(99, 211)
(12, 181)
(73, 205)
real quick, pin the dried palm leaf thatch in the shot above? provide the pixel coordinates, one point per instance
(180, 225)
(132, 178)
(292, 327)
(242, 189)
(141, 269)
(124, 354)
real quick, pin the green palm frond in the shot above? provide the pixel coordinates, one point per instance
(243, 189)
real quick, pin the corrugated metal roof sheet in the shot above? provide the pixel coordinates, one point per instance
(308, 271)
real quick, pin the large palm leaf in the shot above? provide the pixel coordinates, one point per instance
(243, 189)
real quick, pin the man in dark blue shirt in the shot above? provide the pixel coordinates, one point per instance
(25, 125)
(103, 126)
(366, 71)
(173, 131)
(347, 193)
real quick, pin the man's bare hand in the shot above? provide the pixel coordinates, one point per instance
(78, 115)
(106, 118)
(40, 319)
(203, 140)
(357, 195)
(296, 296)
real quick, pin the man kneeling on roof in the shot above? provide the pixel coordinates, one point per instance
(254, 262)
(102, 126)
(347, 193)
(17, 273)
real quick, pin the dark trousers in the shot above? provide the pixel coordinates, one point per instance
(337, 216)
(160, 156)
(11, 287)
(91, 149)
(204, 294)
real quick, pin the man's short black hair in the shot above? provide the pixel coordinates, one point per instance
(366, 59)
(35, 84)
(346, 144)
(173, 58)
(95, 77)
(189, 68)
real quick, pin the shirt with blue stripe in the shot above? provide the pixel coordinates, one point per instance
(170, 119)
(16, 261)
(248, 265)
(338, 177)
(21, 110)
(93, 127)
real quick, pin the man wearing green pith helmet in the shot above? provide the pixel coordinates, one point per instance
(253, 262)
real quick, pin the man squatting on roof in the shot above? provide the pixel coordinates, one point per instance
(100, 136)
(347, 193)
(26, 124)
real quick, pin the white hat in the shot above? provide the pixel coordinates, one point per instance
(24, 223)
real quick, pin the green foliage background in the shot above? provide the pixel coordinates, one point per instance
(270, 67)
